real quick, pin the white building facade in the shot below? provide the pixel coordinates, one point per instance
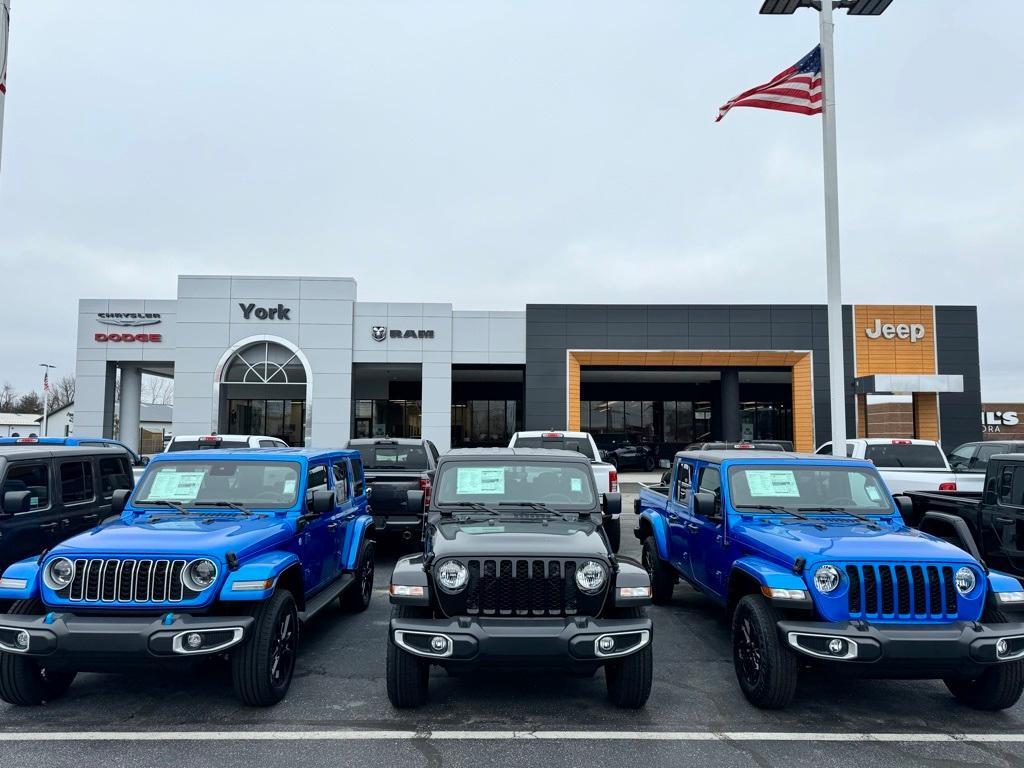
(300, 358)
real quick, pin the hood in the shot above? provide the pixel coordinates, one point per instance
(494, 538)
(201, 535)
(846, 540)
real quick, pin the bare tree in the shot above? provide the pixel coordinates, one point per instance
(7, 398)
(62, 393)
(158, 390)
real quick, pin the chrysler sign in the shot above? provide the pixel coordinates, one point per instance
(128, 319)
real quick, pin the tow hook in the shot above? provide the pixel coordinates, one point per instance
(977, 627)
(861, 626)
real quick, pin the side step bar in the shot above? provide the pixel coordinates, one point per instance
(324, 597)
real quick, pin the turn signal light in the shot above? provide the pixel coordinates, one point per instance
(947, 486)
(425, 487)
(404, 590)
(613, 481)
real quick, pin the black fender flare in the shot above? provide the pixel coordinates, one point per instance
(937, 523)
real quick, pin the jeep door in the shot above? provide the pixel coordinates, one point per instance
(318, 538)
(1001, 522)
(76, 479)
(344, 513)
(704, 534)
(115, 473)
(678, 513)
(28, 533)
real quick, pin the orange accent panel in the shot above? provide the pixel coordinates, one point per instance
(926, 416)
(803, 405)
(882, 355)
(573, 386)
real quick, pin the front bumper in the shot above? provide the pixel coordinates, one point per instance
(961, 646)
(531, 642)
(92, 640)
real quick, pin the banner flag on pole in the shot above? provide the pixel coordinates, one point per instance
(797, 89)
(5, 28)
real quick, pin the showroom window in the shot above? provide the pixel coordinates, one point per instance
(481, 423)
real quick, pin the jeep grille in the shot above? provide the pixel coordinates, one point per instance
(521, 587)
(902, 591)
(127, 581)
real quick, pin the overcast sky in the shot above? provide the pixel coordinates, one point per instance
(493, 153)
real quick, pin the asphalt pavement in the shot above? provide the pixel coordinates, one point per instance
(337, 712)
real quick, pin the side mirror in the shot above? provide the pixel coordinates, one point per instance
(612, 504)
(17, 501)
(414, 502)
(118, 500)
(905, 505)
(322, 502)
(707, 505)
(143, 461)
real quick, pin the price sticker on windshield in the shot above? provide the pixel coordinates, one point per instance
(480, 481)
(777, 483)
(176, 486)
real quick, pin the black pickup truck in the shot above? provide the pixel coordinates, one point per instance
(393, 467)
(991, 521)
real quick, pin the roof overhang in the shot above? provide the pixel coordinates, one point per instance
(900, 384)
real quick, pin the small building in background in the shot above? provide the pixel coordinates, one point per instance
(19, 424)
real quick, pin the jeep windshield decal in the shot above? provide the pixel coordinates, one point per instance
(806, 488)
(515, 485)
(232, 487)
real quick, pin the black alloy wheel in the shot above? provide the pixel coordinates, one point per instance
(766, 669)
(357, 596)
(282, 652)
(263, 665)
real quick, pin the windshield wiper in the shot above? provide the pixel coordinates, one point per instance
(781, 510)
(474, 505)
(844, 511)
(529, 505)
(165, 503)
(229, 504)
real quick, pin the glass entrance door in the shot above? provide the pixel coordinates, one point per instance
(284, 419)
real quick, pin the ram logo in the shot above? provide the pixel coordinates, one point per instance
(380, 332)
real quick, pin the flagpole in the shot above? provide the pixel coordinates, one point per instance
(5, 19)
(833, 274)
(46, 395)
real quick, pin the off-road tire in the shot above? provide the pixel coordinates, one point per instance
(766, 670)
(356, 598)
(662, 580)
(274, 634)
(613, 529)
(408, 676)
(23, 680)
(998, 687)
(629, 679)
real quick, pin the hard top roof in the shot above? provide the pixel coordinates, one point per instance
(387, 441)
(35, 451)
(260, 454)
(781, 457)
(542, 454)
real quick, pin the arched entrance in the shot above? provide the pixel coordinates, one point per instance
(264, 390)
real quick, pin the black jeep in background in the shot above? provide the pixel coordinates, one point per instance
(393, 467)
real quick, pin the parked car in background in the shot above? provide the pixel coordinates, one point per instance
(394, 466)
(138, 462)
(816, 568)
(51, 492)
(625, 452)
(216, 553)
(989, 523)
(974, 457)
(606, 475)
(515, 569)
(213, 442)
(908, 465)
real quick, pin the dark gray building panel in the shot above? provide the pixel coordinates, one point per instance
(956, 351)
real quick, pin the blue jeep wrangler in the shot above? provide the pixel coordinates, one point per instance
(221, 552)
(812, 559)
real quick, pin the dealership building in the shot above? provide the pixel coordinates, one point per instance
(302, 359)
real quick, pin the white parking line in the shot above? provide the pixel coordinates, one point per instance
(384, 735)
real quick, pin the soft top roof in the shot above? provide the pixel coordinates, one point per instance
(257, 454)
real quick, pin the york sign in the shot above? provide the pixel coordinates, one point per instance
(912, 332)
(280, 312)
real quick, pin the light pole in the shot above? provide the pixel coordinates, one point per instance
(46, 393)
(833, 274)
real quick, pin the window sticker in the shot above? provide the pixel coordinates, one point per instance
(872, 493)
(479, 481)
(176, 486)
(780, 483)
(289, 486)
(576, 485)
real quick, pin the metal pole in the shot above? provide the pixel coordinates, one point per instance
(836, 369)
(5, 20)
(46, 397)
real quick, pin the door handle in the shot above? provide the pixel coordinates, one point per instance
(692, 527)
(90, 517)
(331, 526)
(48, 526)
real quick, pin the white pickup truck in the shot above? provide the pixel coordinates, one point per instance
(910, 465)
(605, 475)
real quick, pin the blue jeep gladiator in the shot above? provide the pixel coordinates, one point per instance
(811, 557)
(215, 553)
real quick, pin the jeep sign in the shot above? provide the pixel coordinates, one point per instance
(912, 332)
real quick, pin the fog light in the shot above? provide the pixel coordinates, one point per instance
(439, 644)
(1002, 647)
(836, 646)
(606, 644)
(22, 639)
(194, 640)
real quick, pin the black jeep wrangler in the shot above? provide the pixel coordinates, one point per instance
(516, 569)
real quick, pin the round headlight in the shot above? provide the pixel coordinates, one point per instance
(452, 575)
(826, 578)
(199, 575)
(59, 573)
(590, 577)
(965, 581)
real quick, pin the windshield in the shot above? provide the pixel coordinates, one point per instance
(895, 455)
(511, 482)
(559, 443)
(809, 489)
(256, 484)
(385, 456)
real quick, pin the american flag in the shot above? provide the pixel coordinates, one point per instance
(46, 381)
(5, 26)
(797, 89)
